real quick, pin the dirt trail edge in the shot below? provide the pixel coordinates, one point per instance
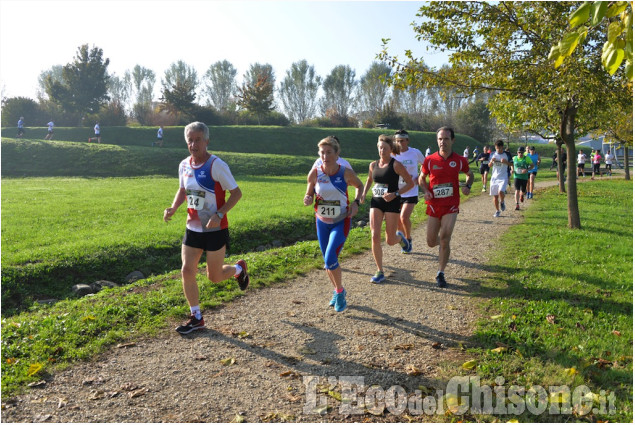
(258, 355)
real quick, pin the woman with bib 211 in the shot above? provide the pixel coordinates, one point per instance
(333, 212)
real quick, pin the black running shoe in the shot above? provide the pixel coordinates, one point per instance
(191, 325)
(441, 283)
(243, 277)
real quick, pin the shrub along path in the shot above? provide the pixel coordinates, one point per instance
(253, 357)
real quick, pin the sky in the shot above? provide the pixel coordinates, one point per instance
(36, 35)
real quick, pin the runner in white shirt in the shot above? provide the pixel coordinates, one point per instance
(608, 161)
(466, 152)
(498, 163)
(411, 158)
(49, 135)
(581, 161)
(203, 181)
(97, 135)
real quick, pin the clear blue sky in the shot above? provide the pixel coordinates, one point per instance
(36, 35)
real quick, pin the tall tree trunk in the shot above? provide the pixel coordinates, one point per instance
(627, 172)
(567, 127)
(560, 166)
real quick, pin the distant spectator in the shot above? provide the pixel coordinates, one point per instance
(466, 152)
(97, 134)
(427, 151)
(159, 141)
(20, 127)
(581, 161)
(608, 161)
(49, 135)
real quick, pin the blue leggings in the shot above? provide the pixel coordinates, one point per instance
(331, 238)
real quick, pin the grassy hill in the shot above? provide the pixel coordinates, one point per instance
(356, 143)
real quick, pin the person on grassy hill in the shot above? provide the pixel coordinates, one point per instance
(483, 161)
(159, 141)
(203, 181)
(411, 158)
(385, 204)
(498, 163)
(554, 160)
(466, 152)
(328, 183)
(49, 134)
(522, 164)
(608, 162)
(97, 131)
(442, 195)
(596, 159)
(20, 127)
(535, 158)
(475, 153)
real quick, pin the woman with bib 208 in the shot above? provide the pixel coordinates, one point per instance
(386, 201)
(329, 184)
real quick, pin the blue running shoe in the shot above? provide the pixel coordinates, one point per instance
(378, 278)
(403, 242)
(334, 299)
(409, 250)
(503, 206)
(340, 301)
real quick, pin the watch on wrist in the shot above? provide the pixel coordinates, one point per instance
(397, 194)
(220, 214)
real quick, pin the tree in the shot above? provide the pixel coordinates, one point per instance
(503, 48)
(373, 88)
(83, 88)
(119, 90)
(298, 91)
(15, 107)
(219, 84)
(56, 75)
(473, 119)
(143, 80)
(339, 87)
(257, 98)
(618, 48)
(179, 91)
(256, 93)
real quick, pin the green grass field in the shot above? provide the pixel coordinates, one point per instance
(74, 212)
(560, 300)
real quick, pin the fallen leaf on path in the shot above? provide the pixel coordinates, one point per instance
(126, 345)
(551, 318)
(412, 370)
(499, 350)
(498, 316)
(137, 393)
(228, 361)
(618, 333)
(238, 419)
(470, 364)
(404, 347)
(289, 374)
(37, 384)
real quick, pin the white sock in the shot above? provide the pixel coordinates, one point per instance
(196, 312)
(439, 272)
(239, 270)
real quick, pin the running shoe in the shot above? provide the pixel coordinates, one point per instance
(497, 214)
(517, 207)
(243, 277)
(409, 250)
(502, 205)
(191, 325)
(483, 190)
(403, 242)
(340, 301)
(334, 299)
(441, 283)
(378, 278)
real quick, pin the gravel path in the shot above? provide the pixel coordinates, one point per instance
(399, 332)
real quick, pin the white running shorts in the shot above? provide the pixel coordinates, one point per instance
(496, 186)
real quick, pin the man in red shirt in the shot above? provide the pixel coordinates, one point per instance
(442, 195)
